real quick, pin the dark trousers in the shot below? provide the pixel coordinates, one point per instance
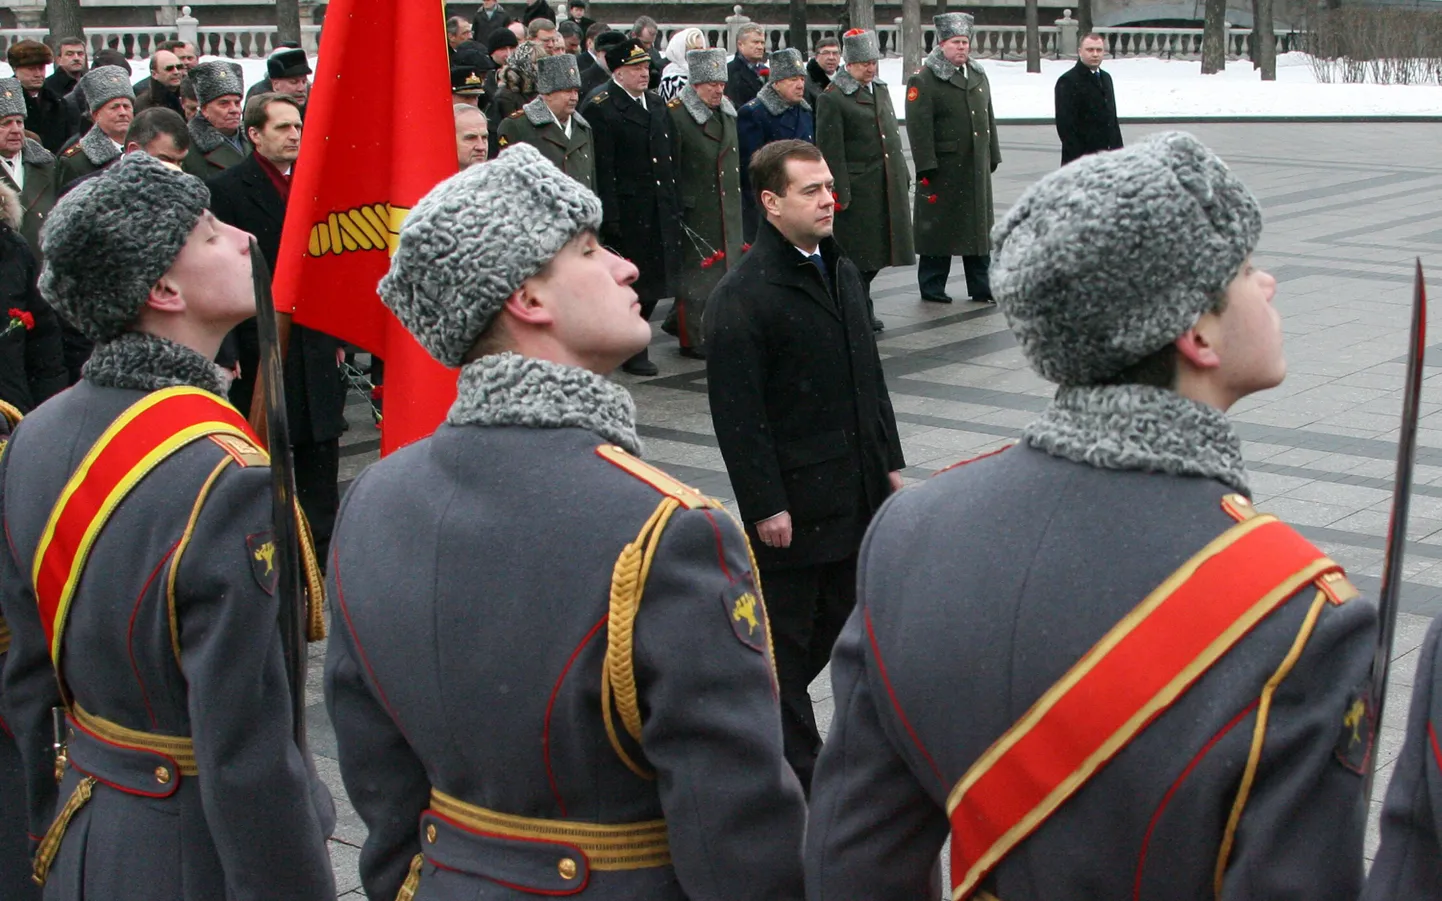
(317, 476)
(808, 606)
(867, 278)
(932, 273)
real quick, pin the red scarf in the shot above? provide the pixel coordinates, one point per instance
(277, 178)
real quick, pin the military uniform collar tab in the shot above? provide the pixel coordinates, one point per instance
(144, 362)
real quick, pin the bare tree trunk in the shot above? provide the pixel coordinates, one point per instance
(1264, 43)
(910, 37)
(1256, 33)
(1084, 24)
(797, 38)
(287, 20)
(863, 14)
(941, 7)
(1033, 38)
(63, 17)
(1214, 38)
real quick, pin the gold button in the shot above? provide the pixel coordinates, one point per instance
(431, 833)
(162, 775)
(567, 868)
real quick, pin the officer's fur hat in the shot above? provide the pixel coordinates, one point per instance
(953, 25)
(1112, 257)
(288, 62)
(706, 66)
(471, 241)
(12, 98)
(557, 73)
(112, 237)
(216, 79)
(786, 64)
(860, 46)
(28, 53)
(104, 84)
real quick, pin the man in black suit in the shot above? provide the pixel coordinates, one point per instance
(596, 76)
(640, 213)
(1086, 106)
(252, 195)
(747, 71)
(72, 60)
(803, 420)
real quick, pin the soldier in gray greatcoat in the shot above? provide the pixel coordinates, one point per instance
(15, 881)
(1087, 657)
(607, 725)
(183, 777)
(708, 182)
(857, 132)
(780, 111)
(217, 140)
(952, 130)
(550, 122)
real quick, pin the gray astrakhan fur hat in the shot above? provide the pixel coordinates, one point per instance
(471, 241)
(12, 98)
(104, 84)
(859, 46)
(216, 79)
(1113, 256)
(786, 64)
(953, 25)
(706, 66)
(557, 73)
(112, 237)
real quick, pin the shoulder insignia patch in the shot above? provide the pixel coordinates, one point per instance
(1358, 732)
(504, 141)
(961, 463)
(601, 96)
(243, 452)
(912, 93)
(71, 150)
(689, 497)
(1238, 507)
(517, 114)
(260, 550)
(747, 614)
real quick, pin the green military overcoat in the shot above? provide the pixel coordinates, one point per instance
(536, 125)
(857, 132)
(952, 129)
(706, 155)
(210, 153)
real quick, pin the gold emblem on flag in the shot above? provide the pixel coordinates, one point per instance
(375, 226)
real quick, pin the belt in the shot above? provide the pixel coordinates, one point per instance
(550, 856)
(178, 748)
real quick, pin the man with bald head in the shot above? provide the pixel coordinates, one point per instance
(166, 71)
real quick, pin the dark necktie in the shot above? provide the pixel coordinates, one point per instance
(820, 265)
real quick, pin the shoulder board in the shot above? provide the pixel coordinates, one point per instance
(673, 103)
(243, 452)
(517, 114)
(70, 151)
(601, 96)
(667, 485)
(1335, 585)
(961, 463)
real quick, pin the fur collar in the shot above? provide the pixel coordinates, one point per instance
(775, 104)
(538, 114)
(97, 147)
(143, 362)
(508, 389)
(1142, 428)
(843, 81)
(33, 154)
(205, 137)
(945, 69)
(700, 112)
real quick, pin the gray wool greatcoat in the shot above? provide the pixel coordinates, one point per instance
(485, 684)
(857, 132)
(952, 130)
(976, 591)
(171, 631)
(708, 183)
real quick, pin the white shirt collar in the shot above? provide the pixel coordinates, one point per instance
(15, 169)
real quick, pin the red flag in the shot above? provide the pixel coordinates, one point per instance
(379, 134)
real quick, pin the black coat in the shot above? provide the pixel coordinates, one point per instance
(593, 79)
(61, 82)
(483, 27)
(243, 196)
(538, 9)
(816, 81)
(32, 364)
(742, 82)
(1086, 113)
(160, 95)
(636, 181)
(52, 120)
(798, 399)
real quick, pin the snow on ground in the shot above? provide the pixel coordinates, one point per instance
(1148, 88)
(1166, 88)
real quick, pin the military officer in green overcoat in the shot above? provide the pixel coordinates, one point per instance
(857, 132)
(952, 129)
(706, 152)
(217, 140)
(550, 123)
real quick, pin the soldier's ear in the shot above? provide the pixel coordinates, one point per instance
(1197, 345)
(165, 296)
(528, 304)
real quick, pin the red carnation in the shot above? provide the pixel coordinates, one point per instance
(925, 182)
(931, 198)
(706, 263)
(28, 320)
(745, 247)
(764, 72)
(720, 255)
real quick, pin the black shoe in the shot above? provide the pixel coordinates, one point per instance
(936, 298)
(876, 324)
(694, 353)
(641, 365)
(984, 299)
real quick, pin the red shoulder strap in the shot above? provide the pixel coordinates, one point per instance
(1138, 669)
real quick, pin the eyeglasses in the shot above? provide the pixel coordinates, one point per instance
(175, 68)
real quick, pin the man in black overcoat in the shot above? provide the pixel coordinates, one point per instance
(1086, 106)
(803, 420)
(631, 134)
(252, 195)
